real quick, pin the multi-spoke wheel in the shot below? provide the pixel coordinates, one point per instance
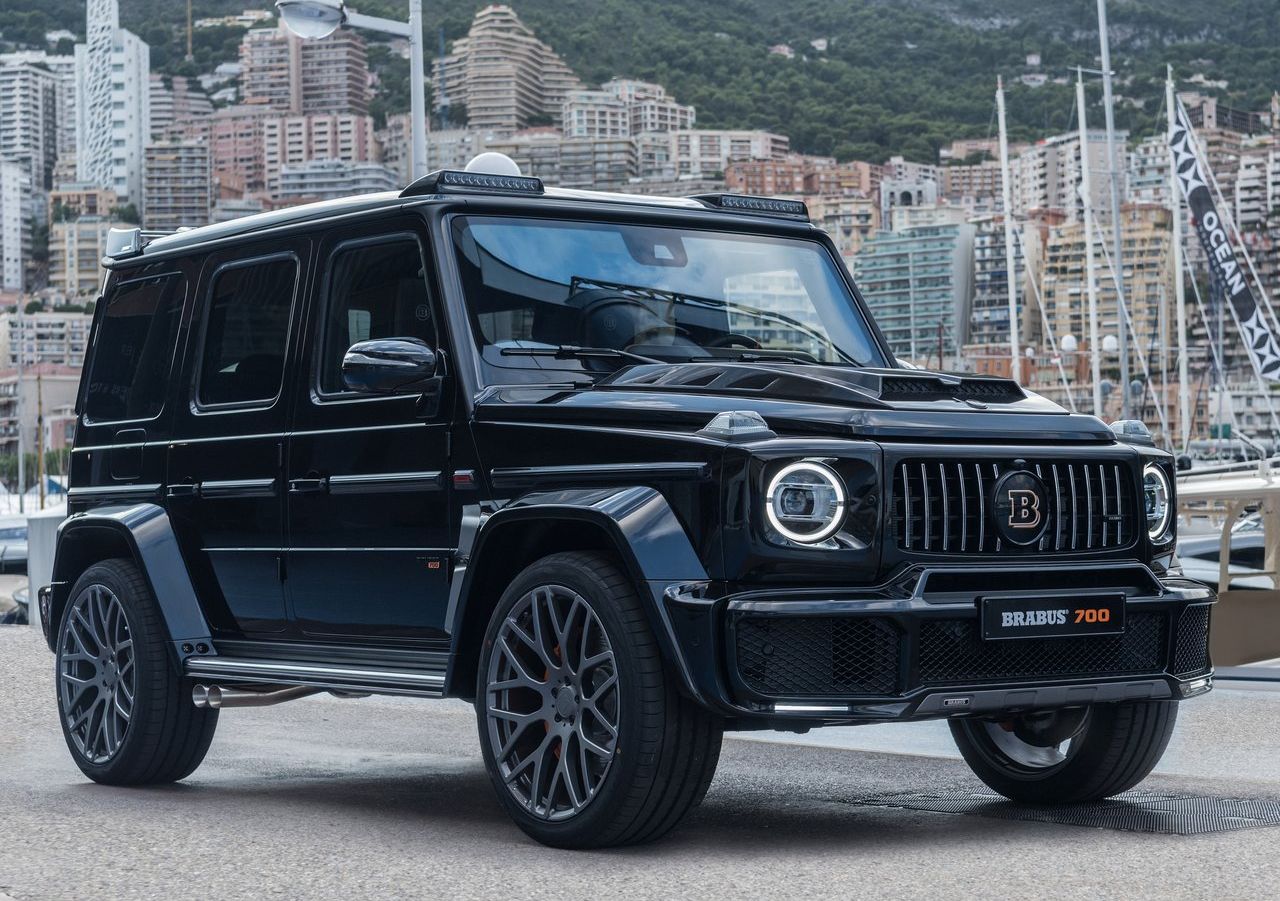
(1067, 756)
(553, 702)
(97, 680)
(586, 738)
(125, 715)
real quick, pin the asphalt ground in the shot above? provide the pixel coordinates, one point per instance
(387, 798)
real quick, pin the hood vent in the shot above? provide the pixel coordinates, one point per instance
(907, 389)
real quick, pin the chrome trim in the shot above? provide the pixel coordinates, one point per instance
(114, 492)
(237, 488)
(379, 483)
(515, 476)
(213, 667)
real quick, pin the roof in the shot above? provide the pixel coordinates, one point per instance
(384, 200)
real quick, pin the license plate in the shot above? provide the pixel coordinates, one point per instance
(1052, 617)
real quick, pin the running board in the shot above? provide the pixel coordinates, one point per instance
(320, 675)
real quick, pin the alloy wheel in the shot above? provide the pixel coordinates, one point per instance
(551, 702)
(1039, 741)
(97, 678)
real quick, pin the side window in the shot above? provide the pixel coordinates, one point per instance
(134, 349)
(376, 290)
(246, 330)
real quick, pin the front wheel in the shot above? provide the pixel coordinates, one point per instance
(1068, 756)
(586, 738)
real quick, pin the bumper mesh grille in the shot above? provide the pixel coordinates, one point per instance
(952, 651)
(815, 656)
(1191, 651)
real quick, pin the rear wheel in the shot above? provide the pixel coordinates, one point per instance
(125, 714)
(1067, 756)
(585, 735)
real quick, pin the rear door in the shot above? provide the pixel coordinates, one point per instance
(368, 498)
(226, 463)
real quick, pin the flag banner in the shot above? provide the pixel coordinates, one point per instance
(1259, 337)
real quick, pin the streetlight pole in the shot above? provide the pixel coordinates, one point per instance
(315, 19)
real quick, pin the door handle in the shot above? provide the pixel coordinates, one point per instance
(184, 489)
(309, 485)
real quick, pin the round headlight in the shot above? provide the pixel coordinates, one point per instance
(1157, 501)
(805, 502)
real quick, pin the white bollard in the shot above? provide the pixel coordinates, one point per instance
(42, 536)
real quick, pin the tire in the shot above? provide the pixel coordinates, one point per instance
(1104, 750)
(126, 715)
(661, 748)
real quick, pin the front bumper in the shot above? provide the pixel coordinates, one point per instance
(912, 649)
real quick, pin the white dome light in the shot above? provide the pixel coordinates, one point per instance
(490, 163)
(312, 19)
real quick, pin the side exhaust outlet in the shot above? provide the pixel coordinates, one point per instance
(216, 697)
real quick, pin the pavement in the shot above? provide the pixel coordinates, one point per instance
(387, 798)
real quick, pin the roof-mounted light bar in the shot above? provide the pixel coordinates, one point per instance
(456, 181)
(766, 206)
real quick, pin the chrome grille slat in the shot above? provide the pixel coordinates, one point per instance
(936, 510)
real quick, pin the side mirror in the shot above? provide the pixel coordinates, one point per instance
(389, 366)
(1184, 463)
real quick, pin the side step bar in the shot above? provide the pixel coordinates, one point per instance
(319, 675)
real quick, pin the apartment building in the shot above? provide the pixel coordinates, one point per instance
(29, 116)
(15, 224)
(55, 338)
(76, 249)
(178, 189)
(708, 152)
(73, 199)
(503, 76)
(285, 73)
(290, 140)
(329, 179)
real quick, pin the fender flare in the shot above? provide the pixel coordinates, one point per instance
(651, 542)
(148, 534)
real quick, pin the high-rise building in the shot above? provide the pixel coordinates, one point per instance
(15, 224)
(648, 106)
(1148, 279)
(56, 338)
(1048, 175)
(289, 140)
(29, 117)
(63, 68)
(502, 75)
(595, 114)
(113, 103)
(708, 152)
(281, 71)
(850, 219)
(177, 192)
(1148, 175)
(918, 283)
(329, 179)
(972, 183)
(989, 318)
(76, 248)
(179, 108)
(236, 146)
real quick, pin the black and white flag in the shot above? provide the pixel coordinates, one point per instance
(1258, 335)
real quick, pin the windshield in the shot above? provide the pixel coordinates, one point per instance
(669, 294)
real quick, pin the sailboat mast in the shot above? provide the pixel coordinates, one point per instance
(1117, 240)
(1010, 271)
(1179, 293)
(1090, 273)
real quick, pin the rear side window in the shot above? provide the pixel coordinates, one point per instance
(375, 291)
(134, 349)
(246, 332)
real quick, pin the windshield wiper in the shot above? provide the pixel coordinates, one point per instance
(574, 352)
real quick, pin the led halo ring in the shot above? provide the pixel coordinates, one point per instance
(1160, 531)
(828, 475)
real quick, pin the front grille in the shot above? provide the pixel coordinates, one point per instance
(947, 506)
(953, 652)
(1191, 648)
(818, 656)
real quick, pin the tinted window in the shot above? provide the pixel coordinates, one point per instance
(248, 326)
(134, 349)
(375, 291)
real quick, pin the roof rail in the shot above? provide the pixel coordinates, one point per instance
(456, 181)
(764, 206)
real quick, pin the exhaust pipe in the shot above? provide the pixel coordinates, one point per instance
(216, 697)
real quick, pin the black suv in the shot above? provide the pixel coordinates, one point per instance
(626, 472)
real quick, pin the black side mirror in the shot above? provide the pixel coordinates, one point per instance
(1183, 463)
(389, 366)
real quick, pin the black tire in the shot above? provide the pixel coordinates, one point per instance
(665, 746)
(165, 737)
(1115, 748)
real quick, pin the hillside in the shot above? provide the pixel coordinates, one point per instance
(897, 76)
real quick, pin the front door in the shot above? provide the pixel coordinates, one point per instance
(367, 502)
(225, 469)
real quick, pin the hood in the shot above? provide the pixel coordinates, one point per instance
(867, 403)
